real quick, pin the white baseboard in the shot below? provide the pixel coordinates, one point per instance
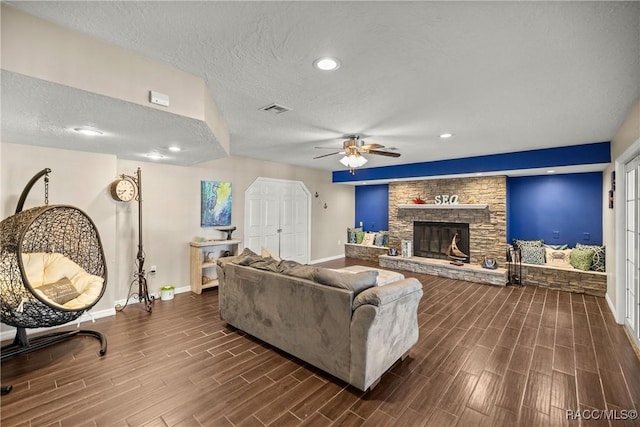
(331, 258)
(11, 332)
(612, 307)
(90, 316)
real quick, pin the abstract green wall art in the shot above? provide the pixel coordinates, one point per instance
(215, 203)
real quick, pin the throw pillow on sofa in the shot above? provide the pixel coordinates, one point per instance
(246, 257)
(581, 259)
(356, 282)
(532, 254)
(598, 263)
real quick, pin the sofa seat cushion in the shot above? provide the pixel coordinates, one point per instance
(384, 276)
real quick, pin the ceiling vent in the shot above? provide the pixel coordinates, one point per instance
(276, 109)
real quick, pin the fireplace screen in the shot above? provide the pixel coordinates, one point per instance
(432, 239)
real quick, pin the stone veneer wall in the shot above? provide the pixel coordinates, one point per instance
(576, 281)
(487, 227)
(370, 253)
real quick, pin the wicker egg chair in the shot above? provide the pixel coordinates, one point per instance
(46, 230)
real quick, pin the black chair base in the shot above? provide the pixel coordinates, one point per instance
(23, 344)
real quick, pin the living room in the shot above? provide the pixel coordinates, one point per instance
(172, 200)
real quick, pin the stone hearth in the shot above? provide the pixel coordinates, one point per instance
(440, 267)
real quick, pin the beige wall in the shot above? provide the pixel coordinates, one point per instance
(171, 208)
(626, 135)
(43, 50)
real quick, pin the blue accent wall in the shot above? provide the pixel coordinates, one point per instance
(583, 154)
(557, 208)
(372, 207)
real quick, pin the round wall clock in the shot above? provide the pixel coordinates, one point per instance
(123, 190)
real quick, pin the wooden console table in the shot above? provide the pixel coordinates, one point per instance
(203, 262)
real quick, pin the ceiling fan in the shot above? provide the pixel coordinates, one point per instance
(353, 148)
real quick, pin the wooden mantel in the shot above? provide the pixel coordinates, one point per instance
(443, 206)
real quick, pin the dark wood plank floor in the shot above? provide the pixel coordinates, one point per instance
(487, 356)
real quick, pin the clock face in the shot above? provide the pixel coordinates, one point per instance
(124, 190)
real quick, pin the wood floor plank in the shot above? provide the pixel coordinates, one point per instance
(485, 393)
(486, 356)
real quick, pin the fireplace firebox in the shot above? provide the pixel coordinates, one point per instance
(431, 239)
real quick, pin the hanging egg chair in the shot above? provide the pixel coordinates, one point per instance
(52, 270)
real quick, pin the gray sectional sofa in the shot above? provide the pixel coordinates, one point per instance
(354, 334)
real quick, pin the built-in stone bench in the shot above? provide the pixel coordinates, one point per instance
(565, 279)
(365, 252)
(443, 268)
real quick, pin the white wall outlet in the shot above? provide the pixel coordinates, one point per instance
(361, 224)
(153, 269)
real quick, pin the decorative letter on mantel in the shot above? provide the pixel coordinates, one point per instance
(446, 199)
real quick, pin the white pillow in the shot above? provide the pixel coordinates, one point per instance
(558, 258)
(368, 238)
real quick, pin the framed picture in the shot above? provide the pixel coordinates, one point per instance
(215, 203)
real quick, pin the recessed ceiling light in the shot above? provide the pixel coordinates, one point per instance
(175, 148)
(326, 64)
(446, 135)
(88, 131)
(154, 156)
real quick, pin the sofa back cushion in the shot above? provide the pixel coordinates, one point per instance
(355, 282)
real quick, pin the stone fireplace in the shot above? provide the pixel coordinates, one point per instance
(432, 239)
(487, 224)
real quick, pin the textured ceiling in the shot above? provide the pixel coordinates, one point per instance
(501, 76)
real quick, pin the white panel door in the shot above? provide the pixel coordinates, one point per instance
(261, 217)
(253, 218)
(632, 255)
(287, 222)
(277, 217)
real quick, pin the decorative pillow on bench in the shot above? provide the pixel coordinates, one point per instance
(532, 254)
(581, 259)
(558, 257)
(352, 234)
(598, 262)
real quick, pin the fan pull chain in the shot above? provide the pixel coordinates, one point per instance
(46, 189)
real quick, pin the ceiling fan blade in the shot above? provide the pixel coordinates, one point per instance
(384, 153)
(326, 155)
(371, 146)
(326, 148)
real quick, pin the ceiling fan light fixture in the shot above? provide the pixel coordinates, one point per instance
(154, 156)
(326, 64)
(353, 161)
